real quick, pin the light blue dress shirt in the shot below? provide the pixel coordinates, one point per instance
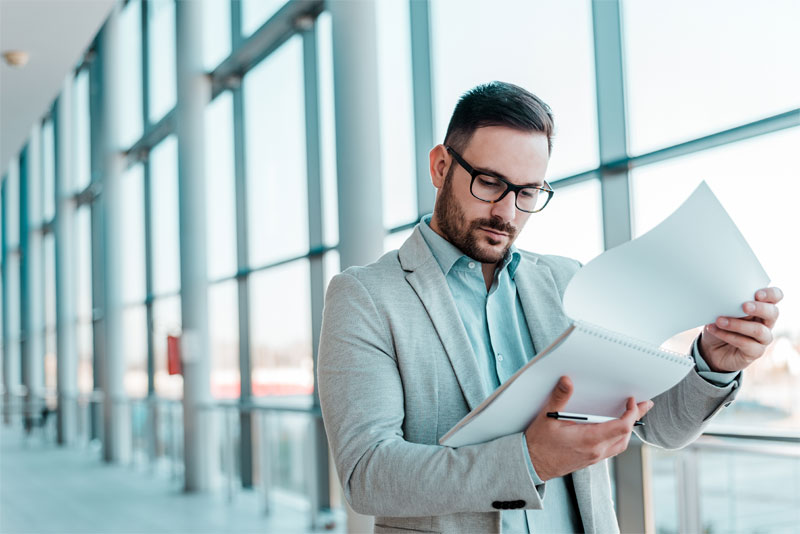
(499, 335)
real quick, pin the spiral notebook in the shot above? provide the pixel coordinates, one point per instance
(693, 267)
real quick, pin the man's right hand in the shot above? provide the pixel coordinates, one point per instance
(560, 447)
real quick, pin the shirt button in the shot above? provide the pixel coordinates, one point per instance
(471, 265)
(499, 357)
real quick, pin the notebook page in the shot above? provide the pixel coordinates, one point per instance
(691, 268)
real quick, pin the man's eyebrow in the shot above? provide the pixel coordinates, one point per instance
(491, 172)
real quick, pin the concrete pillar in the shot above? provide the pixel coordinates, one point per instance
(116, 419)
(355, 73)
(194, 92)
(66, 345)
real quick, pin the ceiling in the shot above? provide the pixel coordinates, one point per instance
(55, 33)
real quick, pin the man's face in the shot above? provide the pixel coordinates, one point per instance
(482, 230)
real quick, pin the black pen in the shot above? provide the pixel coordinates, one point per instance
(584, 418)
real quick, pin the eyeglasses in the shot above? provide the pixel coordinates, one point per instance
(490, 188)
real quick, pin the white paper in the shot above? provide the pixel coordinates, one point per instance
(691, 268)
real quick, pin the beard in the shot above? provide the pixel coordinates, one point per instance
(464, 234)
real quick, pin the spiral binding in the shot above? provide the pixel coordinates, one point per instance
(632, 342)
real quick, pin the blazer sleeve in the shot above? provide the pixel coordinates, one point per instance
(362, 398)
(680, 414)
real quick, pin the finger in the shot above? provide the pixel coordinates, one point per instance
(752, 329)
(613, 430)
(747, 345)
(769, 294)
(765, 312)
(643, 408)
(559, 396)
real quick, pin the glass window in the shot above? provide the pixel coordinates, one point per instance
(223, 333)
(31, 165)
(11, 209)
(161, 60)
(83, 297)
(216, 32)
(14, 327)
(131, 239)
(256, 12)
(732, 64)
(220, 188)
(277, 209)
(571, 225)
(134, 319)
(545, 47)
(395, 240)
(280, 332)
(330, 194)
(49, 266)
(164, 212)
(81, 141)
(770, 165)
(166, 322)
(398, 160)
(130, 55)
(48, 170)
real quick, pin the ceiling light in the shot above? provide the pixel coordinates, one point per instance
(16, 58)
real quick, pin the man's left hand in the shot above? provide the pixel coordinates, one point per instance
(730, 344)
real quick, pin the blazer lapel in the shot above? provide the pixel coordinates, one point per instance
(541, 303)
(582, 482)
(428, 281)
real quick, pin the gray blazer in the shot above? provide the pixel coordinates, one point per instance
(396, 371)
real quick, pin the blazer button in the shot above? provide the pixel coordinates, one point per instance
(496, 505)
(520, 504)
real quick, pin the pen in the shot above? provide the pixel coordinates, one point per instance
(584, 418)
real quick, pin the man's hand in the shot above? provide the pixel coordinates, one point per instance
(731, 344)
(560, 447)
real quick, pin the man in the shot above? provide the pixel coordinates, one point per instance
(413, 342)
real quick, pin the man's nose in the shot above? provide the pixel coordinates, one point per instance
(506, 208)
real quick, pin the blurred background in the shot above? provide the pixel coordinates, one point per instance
(201, 168)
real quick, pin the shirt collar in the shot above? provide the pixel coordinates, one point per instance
(447, 254)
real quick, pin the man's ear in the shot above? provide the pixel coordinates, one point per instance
(440, 162)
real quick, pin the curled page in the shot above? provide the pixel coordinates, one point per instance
(691, 268)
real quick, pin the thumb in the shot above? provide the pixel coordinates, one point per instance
(559, 396)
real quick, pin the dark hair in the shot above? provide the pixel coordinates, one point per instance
(498, 104)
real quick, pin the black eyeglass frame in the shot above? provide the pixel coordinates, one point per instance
(474, 173)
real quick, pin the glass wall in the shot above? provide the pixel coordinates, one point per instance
(732, 67)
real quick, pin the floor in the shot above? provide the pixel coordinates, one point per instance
(50, 489)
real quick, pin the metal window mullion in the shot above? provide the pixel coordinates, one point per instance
(320, 483)
(423, 100)
(24, 282)
(242, 258)
(5, 324)
(631, 468)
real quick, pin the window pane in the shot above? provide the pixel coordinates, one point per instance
(330, 195)
(220, 188)
(216, 32)
(280, 311)
(398, 167)
(85, 357)
(571, 225)
(545, 47)
(32, 162)
(256, 12)
(223, 332)
(166, 321)
(131, 240)
(83, 263)
(395, 240)
(11, 209)
(731, 65)
(164, 210)
(276, 156)
(81, 140)
(130, 55)
(161, 37)
(48, 170)
(134, 320)
(49, 266)
(770, 165)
